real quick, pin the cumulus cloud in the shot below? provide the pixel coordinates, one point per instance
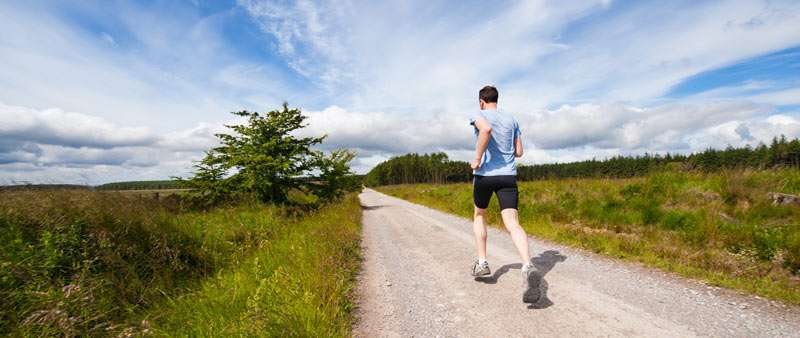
(57, 127)
(782, 97)
(390, 133)
(564, 133)
(745, 132)
(199, 138)
(49, 140)
(13, 151)
(86, 157)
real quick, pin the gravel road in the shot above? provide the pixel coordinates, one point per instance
(416, 282)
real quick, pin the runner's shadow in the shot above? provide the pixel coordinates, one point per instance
(371, 207)
(544, 263)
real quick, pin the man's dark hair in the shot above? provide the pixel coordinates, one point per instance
(488, 94)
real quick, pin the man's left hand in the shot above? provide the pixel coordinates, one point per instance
(476, 164)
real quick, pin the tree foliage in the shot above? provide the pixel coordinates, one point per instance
(415, 168)
(265, 157)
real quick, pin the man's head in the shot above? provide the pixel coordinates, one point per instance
(487, 97)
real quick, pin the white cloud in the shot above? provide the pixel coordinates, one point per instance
(568, 132)
(783, 97)
(53, 142)
(84, 156)
(640, 53)
(108, 38)
(199, 138)
(751, 132)
(306, 34)
(54, 126)
(393, 133)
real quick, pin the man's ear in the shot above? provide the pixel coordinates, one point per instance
(481, 103)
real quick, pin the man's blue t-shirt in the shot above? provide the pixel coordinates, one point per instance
(499, 156)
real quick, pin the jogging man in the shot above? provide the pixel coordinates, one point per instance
(498, 144)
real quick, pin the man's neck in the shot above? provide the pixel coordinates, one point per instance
(490, 107)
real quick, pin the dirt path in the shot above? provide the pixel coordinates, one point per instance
(416, 282)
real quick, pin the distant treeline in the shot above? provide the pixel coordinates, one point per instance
(437, 168)
(131, 185)
(142, 185)
(42, 187)
(127, 185)
(415, 168)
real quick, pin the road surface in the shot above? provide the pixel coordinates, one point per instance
(416, 282)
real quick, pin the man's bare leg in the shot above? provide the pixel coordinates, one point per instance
(479, 226)
(511, 221)
(531, 279)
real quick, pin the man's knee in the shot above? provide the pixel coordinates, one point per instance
(479, 212)
(510, 217)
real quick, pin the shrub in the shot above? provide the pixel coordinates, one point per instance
(264, 158)
(650, 211)
(792, 259)
(677, 220)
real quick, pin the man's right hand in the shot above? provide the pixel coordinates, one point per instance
(476, 164)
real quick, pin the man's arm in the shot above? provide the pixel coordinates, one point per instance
(518, 147)
(484, 131)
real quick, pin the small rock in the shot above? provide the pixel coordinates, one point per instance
(726, 217)
(784, 199)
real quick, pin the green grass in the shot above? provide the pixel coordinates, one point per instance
(298, 283)
(97, 264)
(721, 228)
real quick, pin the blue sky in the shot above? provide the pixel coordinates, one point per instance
(98, 91)
(781, 69)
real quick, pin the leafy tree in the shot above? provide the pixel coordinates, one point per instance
(264, 157)
(335, 177)
(209, 184)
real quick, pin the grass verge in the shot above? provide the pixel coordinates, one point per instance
(83, 263)
(720, 228)
(297, 283)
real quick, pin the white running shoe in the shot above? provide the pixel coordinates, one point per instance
(532, 280)
(480, 269)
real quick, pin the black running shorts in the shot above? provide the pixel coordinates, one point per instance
(504, 186)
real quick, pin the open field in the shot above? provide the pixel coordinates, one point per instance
(89, 263)
(721, 228)
(154, 193)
